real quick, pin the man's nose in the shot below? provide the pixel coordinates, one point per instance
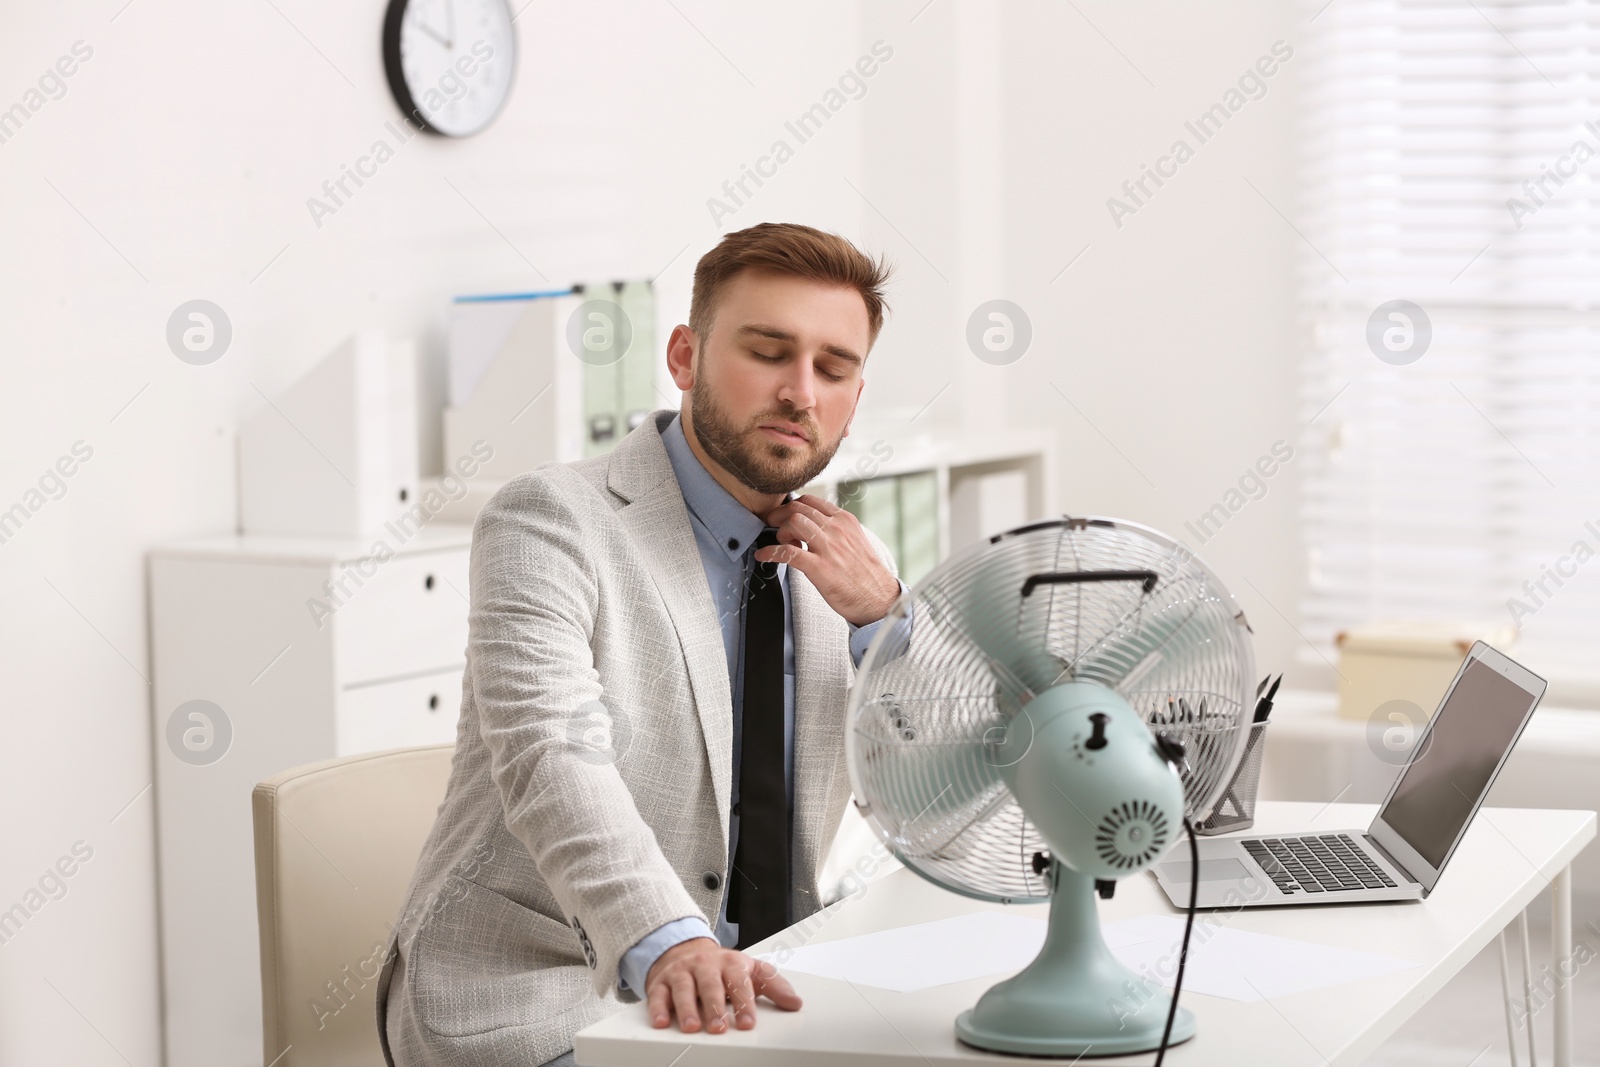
(798, 387)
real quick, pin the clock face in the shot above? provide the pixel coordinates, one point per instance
(449, 62)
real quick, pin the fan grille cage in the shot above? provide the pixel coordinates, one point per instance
(924, 708)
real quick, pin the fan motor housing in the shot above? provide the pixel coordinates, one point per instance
(1088, 772)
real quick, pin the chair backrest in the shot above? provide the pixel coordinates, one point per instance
(336, 844)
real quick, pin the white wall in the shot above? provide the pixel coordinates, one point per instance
(178, 165)
(190, 142)
(1171, 338)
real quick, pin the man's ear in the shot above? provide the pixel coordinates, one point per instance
(681, 348)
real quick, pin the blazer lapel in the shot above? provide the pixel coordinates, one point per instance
(821, 686)
(658, 521)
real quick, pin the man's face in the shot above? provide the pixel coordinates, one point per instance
(776, 383)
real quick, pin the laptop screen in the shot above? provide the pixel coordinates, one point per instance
(1440, 789)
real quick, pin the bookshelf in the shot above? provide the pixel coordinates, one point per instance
(935, 493)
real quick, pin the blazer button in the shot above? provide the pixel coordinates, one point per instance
(711, 879)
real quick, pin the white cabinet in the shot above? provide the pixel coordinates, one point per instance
(271, 652)
(400, 714)
(427, 590)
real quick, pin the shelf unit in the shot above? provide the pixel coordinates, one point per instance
(984, 483)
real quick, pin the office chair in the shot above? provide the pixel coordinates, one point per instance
(336, 843)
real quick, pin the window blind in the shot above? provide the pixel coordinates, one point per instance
(1450, 155)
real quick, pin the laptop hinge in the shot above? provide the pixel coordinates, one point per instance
(1386, 854)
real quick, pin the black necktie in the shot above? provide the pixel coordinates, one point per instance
(758, 893)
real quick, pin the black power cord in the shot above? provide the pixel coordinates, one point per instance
(1188, 927)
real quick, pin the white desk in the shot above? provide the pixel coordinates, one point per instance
(1508, 857)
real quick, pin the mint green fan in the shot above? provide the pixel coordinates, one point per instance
(1007, 749)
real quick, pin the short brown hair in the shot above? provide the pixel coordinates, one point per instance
(788, 248)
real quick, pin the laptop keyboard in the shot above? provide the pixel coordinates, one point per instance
(1330, 863)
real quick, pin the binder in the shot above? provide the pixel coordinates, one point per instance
(334, 454)
(876, 502)
(602, 384)
(518, 384)
(638, 397)
(919, 525)
(515, 385)
(618, 396)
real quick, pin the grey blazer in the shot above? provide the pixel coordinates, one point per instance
(554, 852)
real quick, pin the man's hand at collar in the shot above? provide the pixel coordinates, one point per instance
(699, 980)
(836, 556)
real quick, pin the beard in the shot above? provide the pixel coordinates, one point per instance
(765, 466)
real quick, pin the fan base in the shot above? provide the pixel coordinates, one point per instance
(1057, 1033)
(1075, 998)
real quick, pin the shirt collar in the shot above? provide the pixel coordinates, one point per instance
(734, 526)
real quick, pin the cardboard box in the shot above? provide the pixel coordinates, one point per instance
(1405, 660)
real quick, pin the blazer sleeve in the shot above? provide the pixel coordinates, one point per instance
(533, 606)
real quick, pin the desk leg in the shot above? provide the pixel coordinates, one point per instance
(1527, 984)
(1505, 996)
(1561, 957)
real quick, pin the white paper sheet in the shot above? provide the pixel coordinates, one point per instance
(1223, 962)
(1239, 964)
(909, 958)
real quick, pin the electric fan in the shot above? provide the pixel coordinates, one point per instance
(1070, 695)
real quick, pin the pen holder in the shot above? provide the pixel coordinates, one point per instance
(1237, 808)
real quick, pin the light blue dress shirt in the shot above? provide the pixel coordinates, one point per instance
(724, 531)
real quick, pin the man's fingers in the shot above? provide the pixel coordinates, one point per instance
(775, 987)
(707, 997)
(787, 534)
(809, 502)
(786, 513)
(743, 996)
(799, 528)
(713, 998)
(825, 506)
(796, 557)
(685, 1001)
(660, 1002)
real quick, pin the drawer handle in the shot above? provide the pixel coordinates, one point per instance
(433, 702)
(427, 583)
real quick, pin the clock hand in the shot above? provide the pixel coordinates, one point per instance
(450, 8)
(429, 30)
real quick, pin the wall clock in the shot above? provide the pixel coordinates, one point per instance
(449, 62)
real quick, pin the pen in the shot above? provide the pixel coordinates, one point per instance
(1264, 705)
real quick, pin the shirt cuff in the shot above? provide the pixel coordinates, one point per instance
(635, 964)
(861, 636)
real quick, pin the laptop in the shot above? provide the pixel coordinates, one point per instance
(1422, 819)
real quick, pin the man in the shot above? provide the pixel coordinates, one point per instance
(649, 767)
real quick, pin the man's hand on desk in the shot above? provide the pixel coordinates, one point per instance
(837, 557)
(699, 977)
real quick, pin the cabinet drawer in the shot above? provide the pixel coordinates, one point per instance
(401, 714)
(408, 616)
